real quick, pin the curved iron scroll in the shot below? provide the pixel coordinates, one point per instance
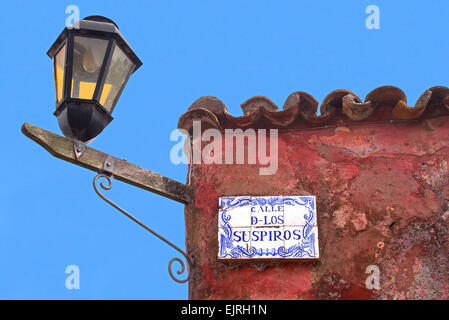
(179, 272)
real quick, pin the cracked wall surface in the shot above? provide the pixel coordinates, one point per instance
(382, 197)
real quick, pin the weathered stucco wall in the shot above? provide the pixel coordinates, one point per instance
(382, 193)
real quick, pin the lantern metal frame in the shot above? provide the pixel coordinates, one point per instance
(90, 112)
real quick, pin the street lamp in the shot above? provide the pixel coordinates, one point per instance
(92, 63)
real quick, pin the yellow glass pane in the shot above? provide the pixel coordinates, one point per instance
(86, 90)
(105, 93)
(59, 61)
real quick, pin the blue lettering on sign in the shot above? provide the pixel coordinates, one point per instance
(266, 209)
(254, 220)
(267, 220)
(272, 235)
(267, 225)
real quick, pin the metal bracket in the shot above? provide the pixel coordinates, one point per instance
(107, 167)
(108, 164)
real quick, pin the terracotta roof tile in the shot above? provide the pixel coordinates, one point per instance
(300, 109)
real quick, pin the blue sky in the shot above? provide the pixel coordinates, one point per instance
(50, 216)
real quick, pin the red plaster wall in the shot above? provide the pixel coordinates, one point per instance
(382, 192)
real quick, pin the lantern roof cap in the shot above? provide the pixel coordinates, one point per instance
(339, 108)
(97, 26)
(100, 19)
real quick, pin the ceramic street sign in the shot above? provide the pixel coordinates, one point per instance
(280, 227)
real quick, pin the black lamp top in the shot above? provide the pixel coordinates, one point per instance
(100, 19)
(96, 26)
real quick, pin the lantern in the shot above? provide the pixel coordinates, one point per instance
(92, 63)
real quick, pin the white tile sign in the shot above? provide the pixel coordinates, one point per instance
(280, 227)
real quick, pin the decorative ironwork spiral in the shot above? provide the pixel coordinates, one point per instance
(170, 263)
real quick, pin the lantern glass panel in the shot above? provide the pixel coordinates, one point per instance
(119, 70)
(58, 65)
(88, 57)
